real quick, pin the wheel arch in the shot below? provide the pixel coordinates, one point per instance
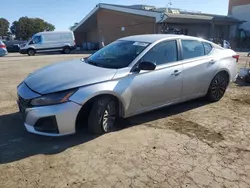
(226, 71)
(66, 46)
(31, 48)
(86, 107)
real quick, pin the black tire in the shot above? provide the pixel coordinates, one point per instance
(66, 50)
(217, 87)
(247, 78)
(31, 52)
(96, 121)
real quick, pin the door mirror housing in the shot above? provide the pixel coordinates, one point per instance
(147, 65)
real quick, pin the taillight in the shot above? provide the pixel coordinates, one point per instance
(2, 46)
(237, 57)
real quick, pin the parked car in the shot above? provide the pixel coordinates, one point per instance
(13, 48)
(3, 50)
(61, 41)
(130, 76)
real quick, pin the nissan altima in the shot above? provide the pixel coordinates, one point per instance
(130, 76)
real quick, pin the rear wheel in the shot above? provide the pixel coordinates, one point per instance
(31, 52)
(218, 87)
(102, 115)
(248, 78)
(66, 50)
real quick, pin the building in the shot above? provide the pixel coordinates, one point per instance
(240, 9)
(106, 23)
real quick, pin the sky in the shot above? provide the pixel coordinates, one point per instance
(64, 13)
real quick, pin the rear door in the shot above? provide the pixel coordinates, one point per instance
(199, 67)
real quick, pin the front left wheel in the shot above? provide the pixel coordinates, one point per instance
(102, 115)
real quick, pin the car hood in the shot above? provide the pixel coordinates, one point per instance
(67, 75)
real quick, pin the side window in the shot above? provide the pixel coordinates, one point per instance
(37, 39)
(164, 52)
(192, 49)
(208, 47)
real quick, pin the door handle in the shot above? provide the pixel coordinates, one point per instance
(211, 62)
(176, 73)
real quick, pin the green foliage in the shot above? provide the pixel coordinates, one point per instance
(72, 27)
(25, 27)
(4, 27)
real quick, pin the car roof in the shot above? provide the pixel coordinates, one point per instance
(150, 38)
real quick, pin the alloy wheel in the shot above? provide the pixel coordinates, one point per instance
(109, 116)
(219, 87)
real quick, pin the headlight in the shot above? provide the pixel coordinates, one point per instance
(54, 98)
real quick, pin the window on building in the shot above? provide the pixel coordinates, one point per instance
(164, 52)
(192, 49)
(208, 47)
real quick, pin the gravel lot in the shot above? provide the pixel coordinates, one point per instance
(195, 144)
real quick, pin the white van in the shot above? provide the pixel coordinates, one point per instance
(63, 41)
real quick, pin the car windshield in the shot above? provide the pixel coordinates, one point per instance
(118, 54)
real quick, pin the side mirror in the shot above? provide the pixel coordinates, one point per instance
(248, 54)
(146, 65)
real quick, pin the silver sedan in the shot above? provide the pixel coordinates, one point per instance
(130, 76)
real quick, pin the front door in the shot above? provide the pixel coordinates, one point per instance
(150, 89)
(37, 42)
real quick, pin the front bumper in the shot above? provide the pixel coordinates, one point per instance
(53, 120)
(64, 116)
(23, 51)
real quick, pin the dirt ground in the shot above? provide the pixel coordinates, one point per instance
(195, 144)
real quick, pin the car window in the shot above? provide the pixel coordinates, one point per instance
(164, 52)
(37, 39)
(192, 49)
(118, 54)
(208, 47)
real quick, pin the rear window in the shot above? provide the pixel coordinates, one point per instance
(192, 49)
(208, 47)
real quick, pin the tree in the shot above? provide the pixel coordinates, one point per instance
(73, 27)
(25, 27)
(4, 27)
